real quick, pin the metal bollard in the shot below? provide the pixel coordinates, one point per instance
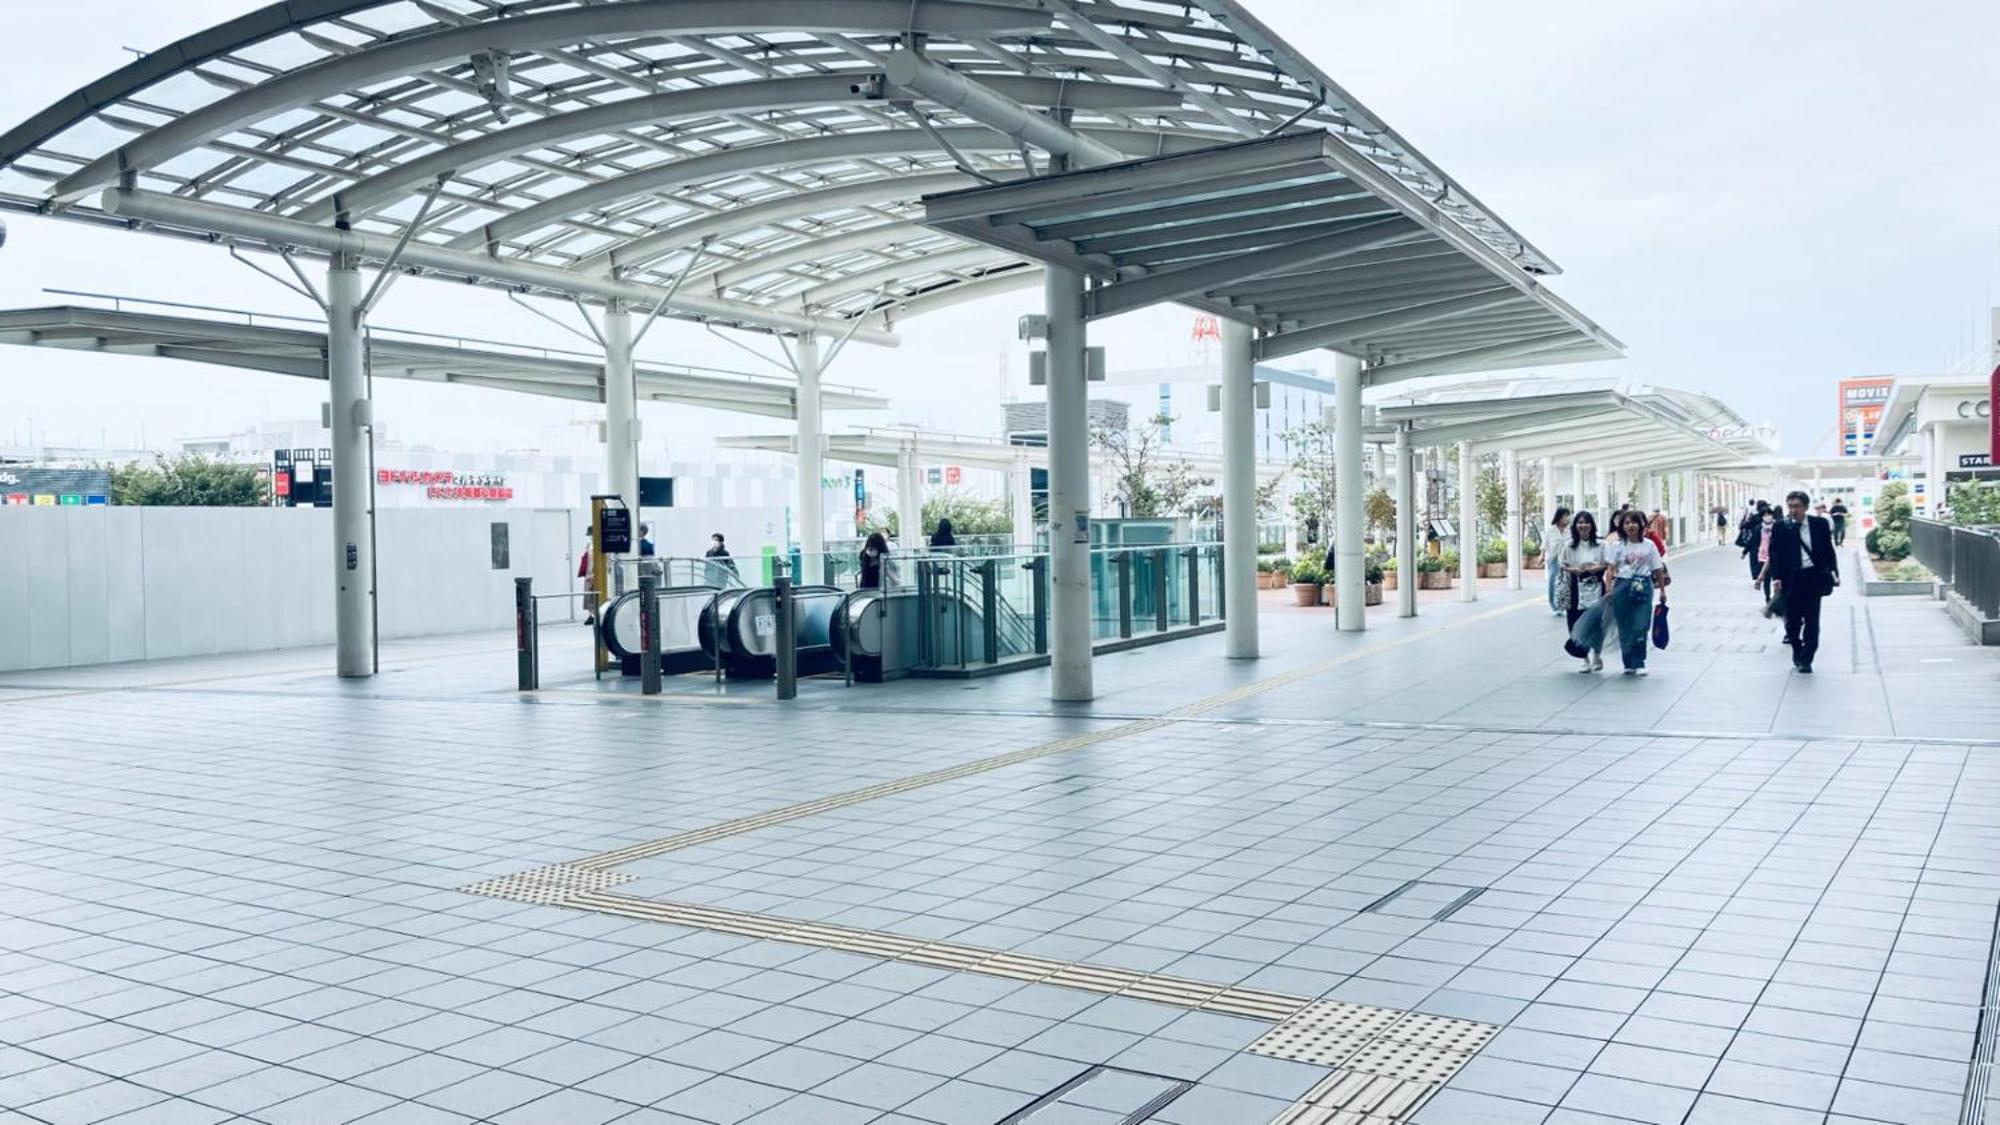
(527, 644)
(649, 635)
(786, 639)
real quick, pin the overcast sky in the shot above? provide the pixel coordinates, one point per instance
(1758, 197)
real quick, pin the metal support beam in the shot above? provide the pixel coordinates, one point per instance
(909, 499)
(1349, 549)
(276, 231)
(621, 410)
(1021, 486)
(1510, 469)
(1069, 487)
(955, 91)
(1352, 329)
(1239, 490)
(1468, 524)
(812, 453)
(1189, 281)
(353, 526)
(1406, 523)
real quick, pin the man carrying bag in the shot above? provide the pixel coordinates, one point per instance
(1803, 569)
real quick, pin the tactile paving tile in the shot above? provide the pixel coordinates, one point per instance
(1351, 1098)
(1408, 1061)
(1441, 1031)
(554, 885)
(1326, 1033)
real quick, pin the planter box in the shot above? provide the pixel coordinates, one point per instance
(1306, 593)
(1531, 562)
(1388, 580)
(1434, 580)
(1493, 570)
(1268, 580)
(1371, 593)
(1882, 587)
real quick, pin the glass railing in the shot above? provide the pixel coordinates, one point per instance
(981, 610)
(676, 570)
(1136, 591)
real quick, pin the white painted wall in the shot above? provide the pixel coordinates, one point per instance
(93, 585)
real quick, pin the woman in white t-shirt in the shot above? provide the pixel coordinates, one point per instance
(1553, 538)
(1637, 570)
(1580, 583)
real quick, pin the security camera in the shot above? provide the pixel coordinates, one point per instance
(869, 87)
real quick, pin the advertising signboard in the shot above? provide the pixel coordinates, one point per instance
(1861, 403)
(25, 485)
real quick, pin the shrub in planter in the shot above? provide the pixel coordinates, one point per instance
(1371, 585)
(1307, 578)
(1892, 546)
(1493, 559)
(1388, 569)
(1432, 574)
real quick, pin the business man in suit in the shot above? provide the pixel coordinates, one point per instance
(1804, 567)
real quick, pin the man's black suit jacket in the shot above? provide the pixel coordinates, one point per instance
(1785, 551)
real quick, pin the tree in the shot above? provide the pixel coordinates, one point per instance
(1973, 503)
(1144, 481)
(969, 516)
(1492, 494)
(1132, 453)
(1312, 460)
(1378, 511)
(189, 481)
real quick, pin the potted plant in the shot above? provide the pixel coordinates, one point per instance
(1307, 578)
(1371, 586)
(1271, 572)
(1388, 569)
(1431, 573)
(1531, 555)
(1493, 559)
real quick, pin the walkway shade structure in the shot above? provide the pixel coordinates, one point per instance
(759, 164)
(425, 357)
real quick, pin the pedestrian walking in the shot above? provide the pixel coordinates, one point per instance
(1837, 515)
(718, 552)
(1721, 515)
(943, 537)
(1552, 540)
(1803, 569)
(1638, 572)
(1656, 530)
(1581, 584)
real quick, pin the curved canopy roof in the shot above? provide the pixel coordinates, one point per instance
(756, 153)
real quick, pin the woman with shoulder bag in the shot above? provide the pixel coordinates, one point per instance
(1637, 571)
(1581, 583)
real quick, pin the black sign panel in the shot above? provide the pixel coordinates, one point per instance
(500, 553)
(1975, 460)
(615, 526)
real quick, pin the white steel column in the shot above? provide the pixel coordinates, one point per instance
(909, 499)
(812, 450)
(1468, 524)
(1239, 490)
(353, 531)
(1406, 524)
(1510, 471)
(1069, 488)
(1548, 495)
(1350, 551)
(1021, 486)
(621, 411)
(1604, 483)
(1577, 501)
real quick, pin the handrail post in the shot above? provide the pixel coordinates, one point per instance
(1160, 567)
(989, 608)
(1038, 601)
(649, 634)
(1123, 561)
(1193, 556)
(785, 641)
(527, 658)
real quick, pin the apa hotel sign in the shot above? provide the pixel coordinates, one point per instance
(441, 484)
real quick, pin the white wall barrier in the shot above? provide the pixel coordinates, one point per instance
(95, 585)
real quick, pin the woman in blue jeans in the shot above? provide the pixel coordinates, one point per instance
(1637, 570)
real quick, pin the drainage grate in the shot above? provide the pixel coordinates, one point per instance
(1421, 899)
(1979, 1078)
(1102, 1094)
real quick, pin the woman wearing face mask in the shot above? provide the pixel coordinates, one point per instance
(873, 552)
(1581, 584)
(1760, 556)
(1637, 571)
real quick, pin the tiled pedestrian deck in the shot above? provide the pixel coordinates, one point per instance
(235, 889)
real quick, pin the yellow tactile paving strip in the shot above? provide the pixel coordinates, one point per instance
(1389, 1061)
